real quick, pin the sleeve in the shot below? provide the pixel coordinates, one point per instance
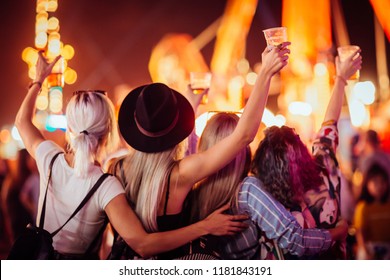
(279, 224)
(110, 189)
(44, 154)
(325, 145)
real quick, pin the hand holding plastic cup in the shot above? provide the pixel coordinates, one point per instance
(344, 52)
(275, 36)
(199, 82)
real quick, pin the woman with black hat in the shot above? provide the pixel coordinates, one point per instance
(91, 131)
(154, 120)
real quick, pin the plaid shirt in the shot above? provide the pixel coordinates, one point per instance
(268, 216)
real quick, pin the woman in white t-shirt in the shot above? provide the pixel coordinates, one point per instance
(91, 132)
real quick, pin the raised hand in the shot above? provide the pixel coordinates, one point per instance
(219, 224)
(194, 99)
(349, 66)
(43, 67)
(276, 59)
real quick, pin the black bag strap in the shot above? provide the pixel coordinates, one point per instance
(42, 219)
(85, 200)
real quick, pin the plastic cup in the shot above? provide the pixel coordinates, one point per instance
(275, 36)
(344, 52)
(199, 82)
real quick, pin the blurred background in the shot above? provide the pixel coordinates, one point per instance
(119, 45)
(116, 46)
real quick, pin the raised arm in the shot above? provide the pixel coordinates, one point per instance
(344, 70)
(129, 227)
(198, 166)
(30, 134)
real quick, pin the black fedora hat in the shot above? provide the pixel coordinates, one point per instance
(153, 118)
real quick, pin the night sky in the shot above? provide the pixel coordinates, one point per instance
(113, 39)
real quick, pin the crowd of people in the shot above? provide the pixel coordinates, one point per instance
(222, 201)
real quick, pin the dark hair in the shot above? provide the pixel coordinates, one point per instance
(372, 138)
(285, 166)
(374, 171)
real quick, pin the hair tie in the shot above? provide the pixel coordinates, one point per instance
(85, 132)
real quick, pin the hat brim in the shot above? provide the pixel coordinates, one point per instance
(139, 141)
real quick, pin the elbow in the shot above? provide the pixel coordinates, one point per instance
(247, 138)
(18, 122)
(141, 248)
(143, 252)
(21, 122)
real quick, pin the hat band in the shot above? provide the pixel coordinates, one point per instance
(158, 133)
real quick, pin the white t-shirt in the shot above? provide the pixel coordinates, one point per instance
(65, 193)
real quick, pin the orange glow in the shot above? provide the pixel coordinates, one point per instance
(32, 72)
(70, 76)
(67, 52)
(5, 136)
(381, 9)
(41, 24)
(42, 15)
(53, 24)
(231, 36)
(308, 27)
(173, 58)
(30, 56)
(54, 46)
(41, 40)
(309, 31)
(52, 6)
(42, 102)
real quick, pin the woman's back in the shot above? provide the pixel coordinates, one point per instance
(66, 191)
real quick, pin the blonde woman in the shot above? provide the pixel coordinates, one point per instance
(91, 132)
(154, 120)
(219, 188)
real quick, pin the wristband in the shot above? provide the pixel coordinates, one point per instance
(35, 83)
(342, 79)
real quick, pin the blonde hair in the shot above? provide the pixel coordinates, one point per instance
(145, 179)
(221, 187)
(92, 131)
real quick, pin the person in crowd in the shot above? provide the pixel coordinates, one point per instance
(154, 120)
(5, 233)
(29, 194)
(92, 132)
(269, 219)
(372, 215)
(370, 152)
(308, 186)
(16, 215)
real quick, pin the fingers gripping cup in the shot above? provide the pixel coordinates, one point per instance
(344, 52)
(199, 82)
(275, 36)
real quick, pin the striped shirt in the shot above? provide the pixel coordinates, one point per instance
(267, 215)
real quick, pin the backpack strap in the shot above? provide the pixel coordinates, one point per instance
(42, 218)
(85, 200)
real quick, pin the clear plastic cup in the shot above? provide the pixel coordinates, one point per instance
(275, 36)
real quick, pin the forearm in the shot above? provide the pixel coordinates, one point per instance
(130, 228)
(24, 119)
(253, 112)
(159, 242)
(27, 109)
(333, 110)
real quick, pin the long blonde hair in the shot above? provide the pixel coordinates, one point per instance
(145, 179)
(221, 187)
(92, 131)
